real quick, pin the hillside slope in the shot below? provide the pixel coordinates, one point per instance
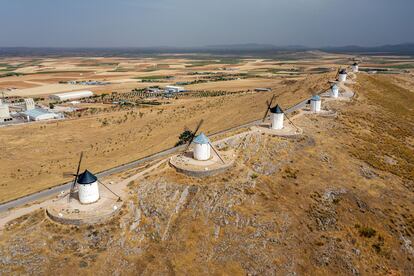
(336, 201)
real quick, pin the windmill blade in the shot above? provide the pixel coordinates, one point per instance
(79, 165)
(287, 117)
(194, 134)
(327, 87)
(76, 176)
(267, 112)
(119, 198)
(271, 100)
(269, 104)
(337, 73)
(189, 142)
(219, 156)
(198, 126)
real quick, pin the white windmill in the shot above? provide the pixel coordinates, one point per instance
(355, 67)
(202, 145)
(334, 90)
(277, 115)
(87, 186)
(315, 103)
(342, 75)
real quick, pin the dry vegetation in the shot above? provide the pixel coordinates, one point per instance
(308, 206)
(336, 201)
(384, 131)
(35, 156)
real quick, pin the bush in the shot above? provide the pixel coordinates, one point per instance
(365, 231)
(184, 137)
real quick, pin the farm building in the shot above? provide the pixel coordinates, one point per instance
(4, 112)
(263, 89)
(39, 114)
(71, 95)
(29, 104)
(174, 89)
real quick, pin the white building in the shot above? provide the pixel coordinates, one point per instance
(355, 67)
(342, 75)
(4, 112)
(29, 104)
(315, 104)
(71, 95)
(152, 90)
(202, 148)
(174, 89)
(334, 91)
(277, 117)
(39, 114)
(88, 189)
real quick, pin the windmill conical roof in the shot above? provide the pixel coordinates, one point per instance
(315, 98)
(86, 177)
(201, 139)
(276, 109)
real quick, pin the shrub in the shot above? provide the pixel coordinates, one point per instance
(365, 231)
(184, 137)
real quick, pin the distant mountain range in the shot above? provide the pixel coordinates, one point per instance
(405, 48)
(231, 49)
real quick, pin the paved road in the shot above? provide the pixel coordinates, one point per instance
(66, 186)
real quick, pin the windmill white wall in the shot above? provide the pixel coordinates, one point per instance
(88, 189)
(342, 77)
(277, 120)
(88, 193)
(202, 148)
(315, 104)
(276, 117)
(355, 68)
(202, 152)
(335, 91)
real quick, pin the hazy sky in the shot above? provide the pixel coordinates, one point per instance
(138, 23)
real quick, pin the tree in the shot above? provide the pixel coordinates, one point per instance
(184, 137)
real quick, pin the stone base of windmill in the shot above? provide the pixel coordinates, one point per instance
(288, 130)
(186, 164)
(344, 96)
(75, 213)
(322, 113)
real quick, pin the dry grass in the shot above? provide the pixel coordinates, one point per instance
(384, 131)
(36, 155)
(288, 206)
